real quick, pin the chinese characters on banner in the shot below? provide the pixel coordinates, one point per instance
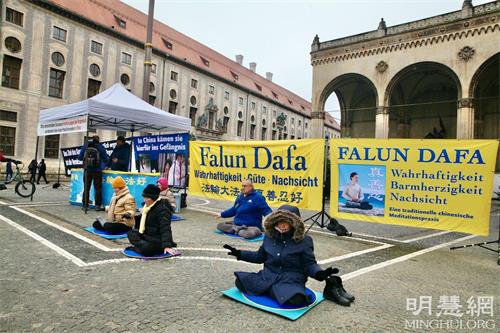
(136, 182)
(285, 172)
(418, 183)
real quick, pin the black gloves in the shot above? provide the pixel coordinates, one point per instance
(233, 251)
(322, 275)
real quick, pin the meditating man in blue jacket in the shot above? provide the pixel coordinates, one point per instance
(249, 208)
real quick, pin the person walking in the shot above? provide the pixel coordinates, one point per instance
(42, 168)
(32, 170)
(94, 159)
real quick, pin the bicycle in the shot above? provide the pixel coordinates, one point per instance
(24, 188)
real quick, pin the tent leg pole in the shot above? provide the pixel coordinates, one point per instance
(36, 156)
(85, 194)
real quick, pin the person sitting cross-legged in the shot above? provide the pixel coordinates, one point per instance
(154, 234)
(288, 258)
(248, 210)
(121, 211)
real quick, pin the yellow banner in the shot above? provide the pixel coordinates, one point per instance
(438, 184)
(285, 172)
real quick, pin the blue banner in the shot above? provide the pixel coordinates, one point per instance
(135, 182)
(166, 154)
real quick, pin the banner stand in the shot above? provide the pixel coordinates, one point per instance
(482, 245)
(58, 184)
(319, 218)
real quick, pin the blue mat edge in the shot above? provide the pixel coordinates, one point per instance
(148, 258)
(236, 295)
(256, 239)
(91, 230)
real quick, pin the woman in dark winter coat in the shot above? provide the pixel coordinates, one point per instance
(288, 258)
(154, 235)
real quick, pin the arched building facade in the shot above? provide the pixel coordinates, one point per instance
(433, 78)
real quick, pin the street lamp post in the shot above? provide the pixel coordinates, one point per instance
(148, 48)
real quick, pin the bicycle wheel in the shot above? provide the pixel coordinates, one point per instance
(25, 188)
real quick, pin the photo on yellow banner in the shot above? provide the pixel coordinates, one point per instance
(437, 184)
(285, 171)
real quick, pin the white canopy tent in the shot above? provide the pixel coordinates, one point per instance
(113, 109)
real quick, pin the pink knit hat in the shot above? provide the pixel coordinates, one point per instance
(163, 183)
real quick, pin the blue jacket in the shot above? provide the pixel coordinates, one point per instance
(102, 153)
(287, 264)
(122, 153)
(248, 210)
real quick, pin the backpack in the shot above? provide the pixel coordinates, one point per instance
(92, 158)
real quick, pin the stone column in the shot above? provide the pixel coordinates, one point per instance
(465, 119)
(382, 122)
(317, 124)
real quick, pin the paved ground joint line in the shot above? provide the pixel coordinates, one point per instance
(402, 258)
(77, 261)
(69, 232)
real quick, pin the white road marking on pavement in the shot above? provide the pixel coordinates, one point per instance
(212, 259)
(426, 236)
(354, 254)
(206, 202)
(209, 210)
(37, 203)
(109, 261)
(402, 258)
(202, 249)
(69, 232)
(60, 251)
(347, 238)
(378, 237)
(41, 204)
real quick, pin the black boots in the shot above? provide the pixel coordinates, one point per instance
(335, 292)
(339, 229)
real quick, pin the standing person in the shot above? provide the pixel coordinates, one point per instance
(94, 159)
(248, 210)
(8, 171)
(121, 211)
(120, 157)
(32, 170)
(42, 168)
(154, 235)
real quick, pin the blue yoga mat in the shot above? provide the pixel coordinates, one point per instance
(104, 234)
(255, 239)
(268, 304)
(132, 254)
(177, 218)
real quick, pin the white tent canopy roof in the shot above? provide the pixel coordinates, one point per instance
(118, 109)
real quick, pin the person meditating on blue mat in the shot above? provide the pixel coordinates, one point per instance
(248, 210)
(121, 211)
(288, 258)
(155, 234)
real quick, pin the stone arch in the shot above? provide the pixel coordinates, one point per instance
(358, 99)
(422, 101)
(484, 95)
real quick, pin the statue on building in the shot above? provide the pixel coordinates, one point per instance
(437, 134)
(202, 120)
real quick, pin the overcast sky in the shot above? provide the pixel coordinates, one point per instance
(277, 35)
